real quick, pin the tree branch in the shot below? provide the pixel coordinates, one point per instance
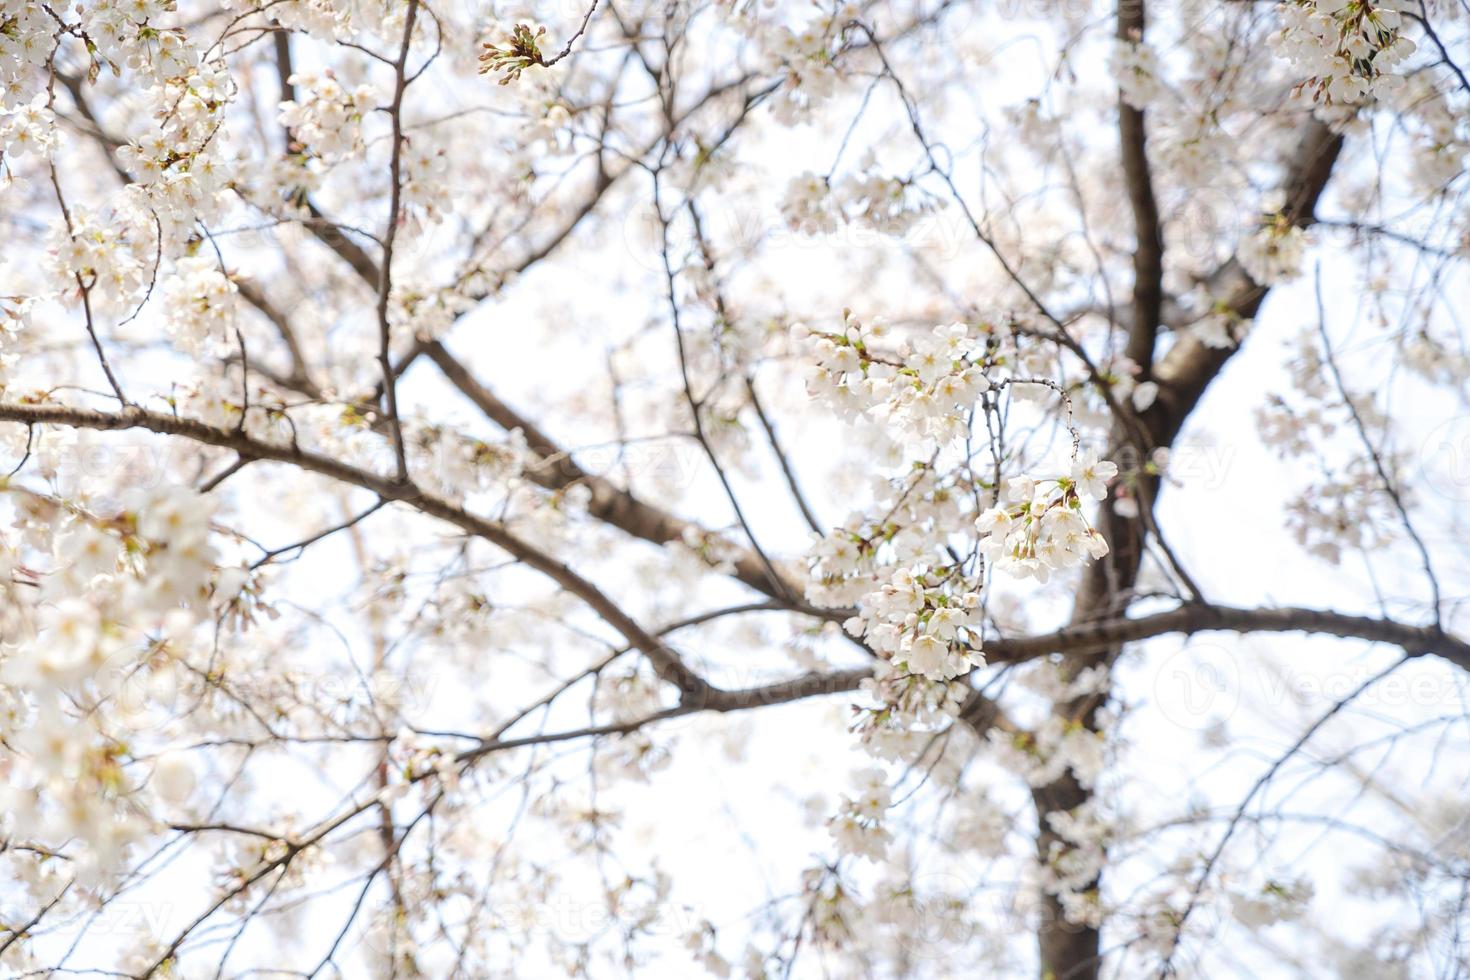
(665, 661)
(1148, 254)
(609, 503)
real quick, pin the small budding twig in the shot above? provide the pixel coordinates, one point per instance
(514, 57)
(524, 50)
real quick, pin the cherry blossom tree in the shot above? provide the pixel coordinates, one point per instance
(920, 488)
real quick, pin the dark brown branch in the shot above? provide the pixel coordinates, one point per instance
(782, 459)
(608, 503)
(1107, 586)
(1148, 253)
(665, 661)
(1190, 365)
(1189, 619)
(300, 378)
(390, 237)
(1078, 639)
(326, 231)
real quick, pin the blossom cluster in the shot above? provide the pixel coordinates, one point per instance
(804, 59)
(1441, 142)
(924, 391)
(28, 128)
(15, 314)
(1275, 901)
(1347, 49)
(1136, 67)
(1073, 862)
(858, 825)
(169, 142)
(178, 163)
(106, 253)
(1338, 513)
(923, 617)
(1273, 252)
(26, 41)
(148, 575)
(1037, 529)
(1221, 329)
(199, 304)
(326, 116)
(817, 204)
(919, 623)
(1056, 747)
(909, 709)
